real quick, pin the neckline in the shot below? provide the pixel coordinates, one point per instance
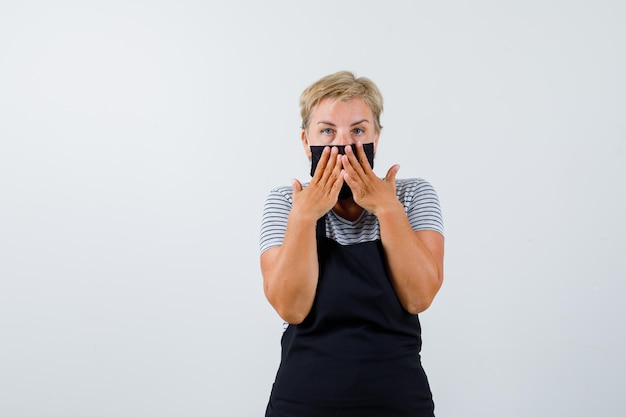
(346, 221)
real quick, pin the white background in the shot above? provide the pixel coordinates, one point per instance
(138, 140)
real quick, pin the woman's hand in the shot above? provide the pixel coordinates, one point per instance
(368, 191)
(415, 259)
(322, 192)
(290, 271)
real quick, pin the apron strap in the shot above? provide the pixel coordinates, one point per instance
(320, 229)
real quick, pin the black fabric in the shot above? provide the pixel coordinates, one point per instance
(316, 154)
(357, 352)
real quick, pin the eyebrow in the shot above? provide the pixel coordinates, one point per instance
(321, 122)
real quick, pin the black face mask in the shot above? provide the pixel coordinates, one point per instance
(316, 154)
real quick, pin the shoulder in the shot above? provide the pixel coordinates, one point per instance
(279, 196)
(411, 189)
(274, 220)
(421, 203)
(283, 191)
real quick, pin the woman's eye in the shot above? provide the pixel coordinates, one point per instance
(358, 131)
(327, 131)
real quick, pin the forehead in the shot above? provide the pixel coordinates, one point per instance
(336, 110)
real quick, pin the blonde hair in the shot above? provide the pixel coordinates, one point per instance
(342, 85)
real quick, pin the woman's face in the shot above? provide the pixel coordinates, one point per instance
(340, 123)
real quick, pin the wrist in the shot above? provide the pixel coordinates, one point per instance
(302, 217)
(390, 210)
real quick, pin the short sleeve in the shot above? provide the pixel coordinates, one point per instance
(421, 204)
(274, 221)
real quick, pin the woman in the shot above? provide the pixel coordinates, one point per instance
(348, 261)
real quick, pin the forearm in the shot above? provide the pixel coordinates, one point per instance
(415, 271)
(290, 271)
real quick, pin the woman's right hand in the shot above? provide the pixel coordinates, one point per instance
(290, 271)
(320, 196)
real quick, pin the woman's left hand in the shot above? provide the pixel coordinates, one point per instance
(415, 259)
(368, 191)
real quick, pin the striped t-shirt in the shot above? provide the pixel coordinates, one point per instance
(418, 197)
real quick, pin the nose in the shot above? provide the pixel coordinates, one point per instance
(343, 138)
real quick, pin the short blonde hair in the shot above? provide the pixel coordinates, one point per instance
(342, 85)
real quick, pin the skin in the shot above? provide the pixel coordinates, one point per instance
(415, 259)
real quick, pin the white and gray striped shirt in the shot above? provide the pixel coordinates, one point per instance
(418, 197)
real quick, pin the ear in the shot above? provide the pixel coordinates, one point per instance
(305, 144)
(376, 142)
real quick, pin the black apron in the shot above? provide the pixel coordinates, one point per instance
(357, 352)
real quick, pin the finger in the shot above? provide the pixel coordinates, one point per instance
(321, 164)
(358, 169)
(362, 157)
(332, 168)
(354, 185)
(391, 174)
(296, 186)
(351, 163)
(338, 181)
(335, 180)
